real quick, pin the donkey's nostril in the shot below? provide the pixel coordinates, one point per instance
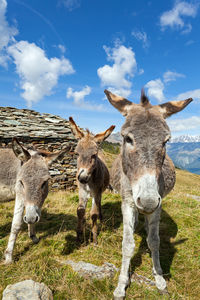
(83, 180)
(37, 218)
(25, 219)
(138, 201)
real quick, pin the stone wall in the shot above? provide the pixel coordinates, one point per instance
(44, 131)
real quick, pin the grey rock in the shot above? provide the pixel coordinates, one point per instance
(12, 122)
(52, 120)
(195, 197)
(140, 279)
(27, 290)
(54, 172)
(88, 270)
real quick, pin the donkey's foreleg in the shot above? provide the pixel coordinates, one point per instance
(128, 246)
(32, 234)
(83, 198)
(16, 225)
(94, 214)
(153, 241)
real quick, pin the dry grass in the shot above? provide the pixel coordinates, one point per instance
(180, 244)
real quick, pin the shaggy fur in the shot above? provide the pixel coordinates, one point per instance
(144, 174)
(24, 177)
(92, 175)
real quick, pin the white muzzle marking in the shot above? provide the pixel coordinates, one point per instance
(32, 214)
(145, 193)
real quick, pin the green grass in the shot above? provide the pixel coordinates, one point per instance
(179, 251)
(113, 148)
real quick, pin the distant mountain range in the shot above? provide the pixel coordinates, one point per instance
(184, 151)
(186, 139)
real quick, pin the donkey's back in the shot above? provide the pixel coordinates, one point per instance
(10, 165)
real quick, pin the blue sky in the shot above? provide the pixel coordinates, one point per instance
(58, 56)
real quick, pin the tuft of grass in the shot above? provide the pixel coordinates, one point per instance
(179, 249)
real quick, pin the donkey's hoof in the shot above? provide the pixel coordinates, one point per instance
(95, 243)
(160, 282)
(119, 298)
(35, 239)
(163, 292)
(119, 294)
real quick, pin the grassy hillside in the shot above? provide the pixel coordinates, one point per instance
(180, 244)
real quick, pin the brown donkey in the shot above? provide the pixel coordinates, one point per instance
(144, 174)
(92, 175)
(24, 177)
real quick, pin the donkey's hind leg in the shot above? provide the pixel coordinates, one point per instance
(83, 198)
(94, 214)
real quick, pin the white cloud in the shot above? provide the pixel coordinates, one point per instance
(195, 94)
(141, 71)
(155, 89)
(141, 36)
(39, 75)
(71, 4)
(7, 33)
(79, 99)
(118, 75)
(190, 42)
(188, 29)
(184, 124)
(62, 48)
(171, 76)
(174, 18)
(78, 96)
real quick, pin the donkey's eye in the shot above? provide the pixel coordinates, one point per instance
(165, 142)
(128, 139)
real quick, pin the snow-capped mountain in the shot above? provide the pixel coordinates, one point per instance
(186, 139)
(116, 138)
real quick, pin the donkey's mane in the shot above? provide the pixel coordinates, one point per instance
(144, 100)
(88, 134)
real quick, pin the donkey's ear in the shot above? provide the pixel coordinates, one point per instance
(172, 107)
(51, 157)
(20, 151)
(75, 130)
(118, 102)
(100, 137)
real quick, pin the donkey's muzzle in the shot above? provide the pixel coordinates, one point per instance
(146, 194)
(148, 206)
(83, 177)
(32, 215)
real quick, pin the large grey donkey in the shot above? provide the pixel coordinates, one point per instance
(92, 174)
(144, 174)
(24, 177)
